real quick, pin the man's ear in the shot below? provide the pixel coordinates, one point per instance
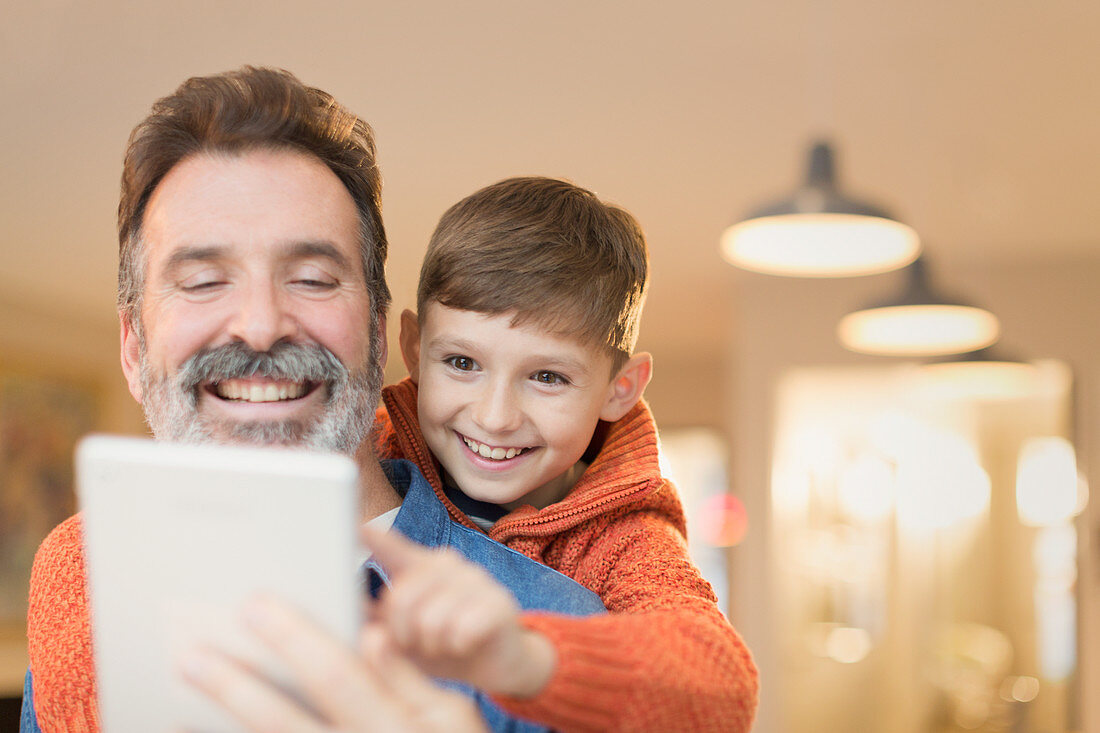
(627, 386)
(409, 338)
(130, 355)
(384, 352)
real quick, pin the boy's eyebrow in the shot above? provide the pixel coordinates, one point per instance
(544, 361)
(451, 342)
(564, 363)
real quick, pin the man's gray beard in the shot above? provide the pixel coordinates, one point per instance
(171, 404)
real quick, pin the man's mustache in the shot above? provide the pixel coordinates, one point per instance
(284, 361)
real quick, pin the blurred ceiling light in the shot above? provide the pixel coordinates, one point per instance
(848, 644)
(918, 322)
(981, 375)
(1048, 488)
(1054, 557)
(820, 232)
(839, 642)
(941, 483)
(1020, 689)
(865, 489)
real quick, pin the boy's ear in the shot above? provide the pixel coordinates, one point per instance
(130, 353)
(409, 338)
(627, 386)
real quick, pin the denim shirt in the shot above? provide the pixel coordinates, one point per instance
(424, 519)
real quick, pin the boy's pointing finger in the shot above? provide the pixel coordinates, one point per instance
(391, 550)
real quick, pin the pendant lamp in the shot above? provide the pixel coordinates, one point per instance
(918, 322)
(988, 375)
(820, 232)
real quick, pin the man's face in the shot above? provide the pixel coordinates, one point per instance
(255, 325)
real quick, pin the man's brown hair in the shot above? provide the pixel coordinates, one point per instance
(234, 112)
(547, 250)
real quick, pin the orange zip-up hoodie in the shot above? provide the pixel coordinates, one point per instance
(665, 658)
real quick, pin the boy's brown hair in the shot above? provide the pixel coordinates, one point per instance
(549, 251)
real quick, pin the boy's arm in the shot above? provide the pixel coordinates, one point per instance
(455, 620)
(664, 658)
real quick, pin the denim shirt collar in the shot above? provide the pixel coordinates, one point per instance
(422, 517)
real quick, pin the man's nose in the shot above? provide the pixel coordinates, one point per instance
(263, 318)
(498, 409)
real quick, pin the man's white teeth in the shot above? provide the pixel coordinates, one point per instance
(236, 390)
(496, 454)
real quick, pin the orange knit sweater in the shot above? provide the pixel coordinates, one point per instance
(665, 658)
(59, 634)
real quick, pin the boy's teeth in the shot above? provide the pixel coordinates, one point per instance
(237, 390)
(496, 454)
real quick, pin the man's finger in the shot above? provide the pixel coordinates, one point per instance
(403, 680)
(328, 672)
(253, 702)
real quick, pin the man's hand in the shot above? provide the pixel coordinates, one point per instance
(455, 621)
(381, 692)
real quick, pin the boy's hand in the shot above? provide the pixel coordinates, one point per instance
(455, 621)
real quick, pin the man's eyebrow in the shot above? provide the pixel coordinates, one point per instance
(297, 250)
(194, 254)
(320, 248)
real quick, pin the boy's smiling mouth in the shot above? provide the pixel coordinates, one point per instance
(493, 453)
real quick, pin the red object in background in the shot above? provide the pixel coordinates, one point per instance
(723, 520)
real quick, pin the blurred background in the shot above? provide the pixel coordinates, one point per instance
(905, 546)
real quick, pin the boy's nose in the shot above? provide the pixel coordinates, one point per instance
(497, 410)
(262, 318)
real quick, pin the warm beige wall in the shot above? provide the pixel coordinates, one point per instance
(38, 340)
(1048, 309)
(42, 340)
(688, 390)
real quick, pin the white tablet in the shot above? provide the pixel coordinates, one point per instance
(177, 537)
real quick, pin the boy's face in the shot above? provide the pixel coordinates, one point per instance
(509, 410)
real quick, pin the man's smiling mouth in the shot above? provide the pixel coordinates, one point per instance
(251, 390)
(493, 453)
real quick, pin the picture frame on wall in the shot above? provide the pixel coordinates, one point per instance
(41, 420)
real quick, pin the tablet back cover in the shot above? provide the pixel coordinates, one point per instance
(177, 537)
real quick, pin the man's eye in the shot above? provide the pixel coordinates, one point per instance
(315, 284)
(461, 363)
(547, 377)
(201, 286)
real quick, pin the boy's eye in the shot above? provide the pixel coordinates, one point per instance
(461, 363)
(548, 377)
